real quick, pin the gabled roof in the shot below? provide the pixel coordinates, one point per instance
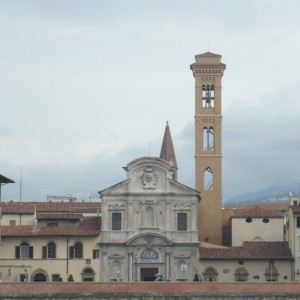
(167, 149)
(255, 212)
(208, 53)
(249, 251)
(91, 226)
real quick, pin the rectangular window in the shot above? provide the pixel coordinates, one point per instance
(116, 221)
(181, 221)
(88, 279)
(298, 222)
(23, 277)
(56, 278)
(95, 253)
(52, 224)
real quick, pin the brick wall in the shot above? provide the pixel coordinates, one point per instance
(150, 291)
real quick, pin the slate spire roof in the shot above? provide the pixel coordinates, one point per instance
(167, 149)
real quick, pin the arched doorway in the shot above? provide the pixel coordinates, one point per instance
(39, 277)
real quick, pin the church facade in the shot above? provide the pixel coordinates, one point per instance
(149, 225)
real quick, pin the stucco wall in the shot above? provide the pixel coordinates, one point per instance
(60, 265)
(20, 219)
(256, 269)
(257, 229)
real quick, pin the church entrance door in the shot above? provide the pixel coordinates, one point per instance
(148, 274)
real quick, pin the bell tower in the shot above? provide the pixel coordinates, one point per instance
(208, 71)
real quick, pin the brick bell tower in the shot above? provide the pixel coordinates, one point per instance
(208, 71)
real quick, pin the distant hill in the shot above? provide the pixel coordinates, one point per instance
(274, 194)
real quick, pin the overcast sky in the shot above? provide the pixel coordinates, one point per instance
(86, 86)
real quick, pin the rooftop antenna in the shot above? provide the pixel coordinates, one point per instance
(149, 150)
(21, 183)
(208, 45)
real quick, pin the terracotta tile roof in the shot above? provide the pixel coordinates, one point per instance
(91, 226)
(72, 207)
(280, 208)
(255, 212)
(249, 251)
(69, 207)
(55, 216)
(17, 207)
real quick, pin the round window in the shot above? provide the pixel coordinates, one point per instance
(266, 220)
(249, 220)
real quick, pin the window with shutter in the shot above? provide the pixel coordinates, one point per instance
(71, 252)
(17, 251)
(51, 250)
(44, 252)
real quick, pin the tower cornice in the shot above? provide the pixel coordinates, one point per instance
(211, 69)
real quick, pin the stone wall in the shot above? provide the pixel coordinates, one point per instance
(151, 291)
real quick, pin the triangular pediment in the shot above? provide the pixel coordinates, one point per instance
(121, 187)
(179, 188)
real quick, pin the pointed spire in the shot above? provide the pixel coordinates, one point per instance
(167, 150)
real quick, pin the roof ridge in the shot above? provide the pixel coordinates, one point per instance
(268, 210)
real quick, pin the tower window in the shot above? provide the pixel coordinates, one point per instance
(208, 96)
(208, 139)
(208, 179)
